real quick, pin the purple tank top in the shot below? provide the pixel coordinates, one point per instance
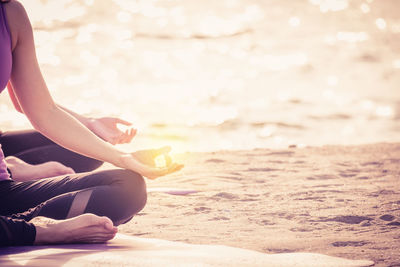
(5, 72)
(5, 49)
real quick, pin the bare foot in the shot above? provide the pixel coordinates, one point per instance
(51, 169)
(22, 171)
(85, 228)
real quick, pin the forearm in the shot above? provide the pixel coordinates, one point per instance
(82, 119)
(68, 132)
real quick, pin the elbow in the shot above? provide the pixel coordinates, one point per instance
(37, 126)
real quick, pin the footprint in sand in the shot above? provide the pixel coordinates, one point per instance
(324, 191)
(202, 209)
(225, 195)
(371, 163)
(394, 224)
(278, 250)
(349, 243)
(349, 219)
(365, 223)
(219, 218)
(321, 177)
(251, 197)
(382, 192)
(394, 160)
(215, 161)
(277, 161)
(318, 199)
(301, 229)
(353, 170)
(345, 164)
(280, 153)
(262, 170)
(234, 178)
(347, 174)
(387, 217)
(266, 222)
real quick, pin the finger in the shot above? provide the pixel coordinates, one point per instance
(177, 167)
(168, 160)
(124, 137)
(127, 136)
(173, 168)
(132, 134)
(120, 138)
(158, 172)
(121, 121)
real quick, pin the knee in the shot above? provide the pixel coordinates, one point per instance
(133, 186)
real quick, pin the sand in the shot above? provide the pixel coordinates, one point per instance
(336, 200)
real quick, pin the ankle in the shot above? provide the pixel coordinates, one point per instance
(44, 235)
(47, 231)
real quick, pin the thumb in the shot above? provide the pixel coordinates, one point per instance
(168, 160)
(124, 122)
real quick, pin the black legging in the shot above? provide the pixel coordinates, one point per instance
(118, 194)
(34, 148)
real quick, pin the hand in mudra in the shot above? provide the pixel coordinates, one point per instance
(144, 162)
(149, 156)
(107, 129)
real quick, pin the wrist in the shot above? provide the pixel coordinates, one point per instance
(121, 160)
(127, 161)
(88, 122)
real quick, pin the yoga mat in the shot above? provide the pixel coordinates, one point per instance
(126, 250)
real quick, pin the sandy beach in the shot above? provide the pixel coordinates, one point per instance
(290, 111)
(336, 200)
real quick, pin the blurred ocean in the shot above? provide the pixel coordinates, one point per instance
(232, 74)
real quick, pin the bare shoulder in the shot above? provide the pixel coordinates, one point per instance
(18, 21)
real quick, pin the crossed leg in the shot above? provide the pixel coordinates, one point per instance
(88, 204)
(34, 148)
